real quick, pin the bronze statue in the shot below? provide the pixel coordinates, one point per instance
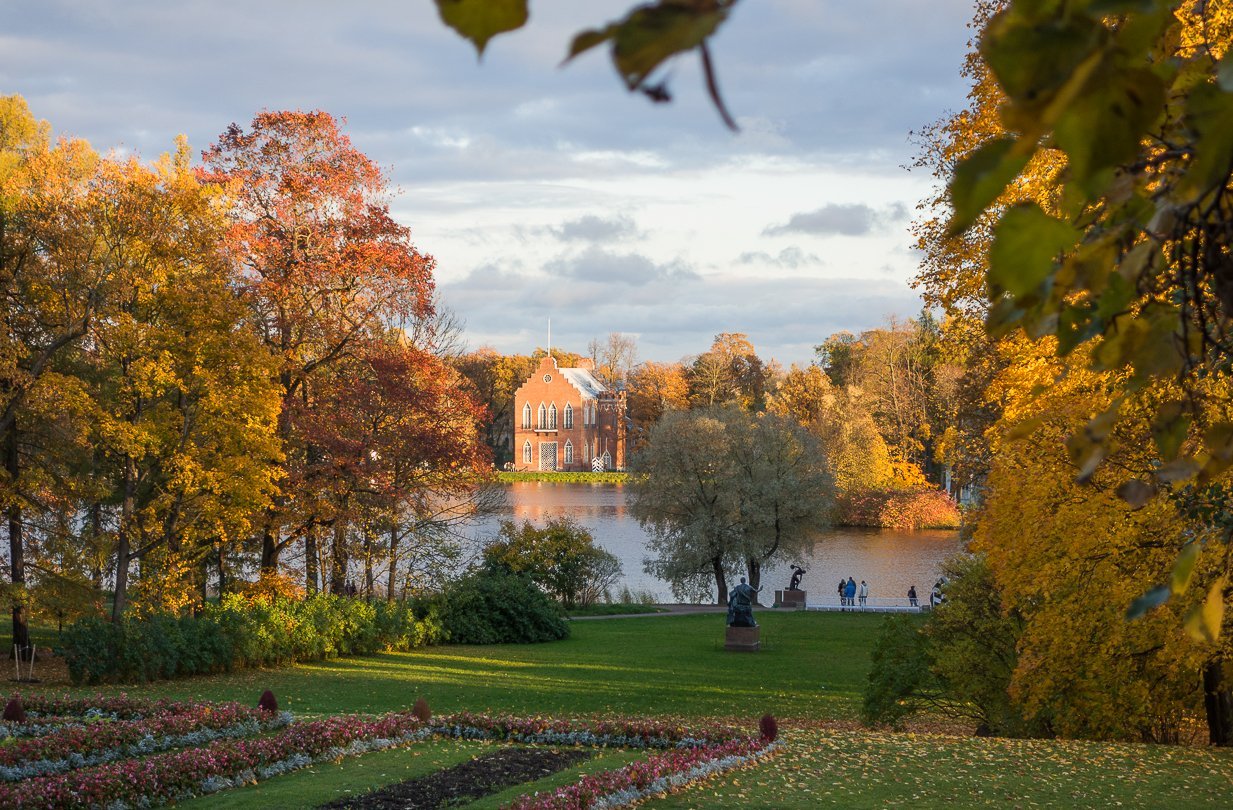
(740, 605)
(797, 573)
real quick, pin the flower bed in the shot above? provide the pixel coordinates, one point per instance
(79, 735)
(692, 753)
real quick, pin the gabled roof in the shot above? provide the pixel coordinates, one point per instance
(584, 381)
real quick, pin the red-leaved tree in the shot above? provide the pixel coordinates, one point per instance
(324, 268)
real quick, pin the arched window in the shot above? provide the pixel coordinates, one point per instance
(552, 416)
(569, 416)
(526, 416)
(543, 417)
(526, 451)
(569, 452)
(586, 452)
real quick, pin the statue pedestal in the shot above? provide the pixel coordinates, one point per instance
(790, 598)
(743, 639)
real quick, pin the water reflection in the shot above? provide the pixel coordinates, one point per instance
(889, 560)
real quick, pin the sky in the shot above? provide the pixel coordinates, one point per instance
(549, 192)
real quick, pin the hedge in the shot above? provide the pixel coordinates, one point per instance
(238, 633)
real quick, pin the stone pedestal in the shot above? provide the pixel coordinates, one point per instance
(743, 639)
(790, 599)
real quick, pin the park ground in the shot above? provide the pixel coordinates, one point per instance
(809, 675)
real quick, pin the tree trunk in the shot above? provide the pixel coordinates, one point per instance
(338, 558)
(222, 572)
(369, 583)
(721, 582)
(17, 554)
(96, 534)
(123, 543)
(312, 575)
(754, 567)
(269, 551)
(1218, 701)
(389, 590)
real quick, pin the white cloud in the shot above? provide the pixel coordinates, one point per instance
(540, 188)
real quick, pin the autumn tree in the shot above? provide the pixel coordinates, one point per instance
(683, 494)
(654, 389)
(729, 372)
(322, 265)
(185, 399)
(722, 490)
(1073, 561)
(786, 492)
(393, 439)
(54, 279)
(840, 418)
(494, 378)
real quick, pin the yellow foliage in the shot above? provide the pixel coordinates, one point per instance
(270, 586)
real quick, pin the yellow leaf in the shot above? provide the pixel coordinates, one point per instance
(1203, 623)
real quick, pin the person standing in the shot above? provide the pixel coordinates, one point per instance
(849, 590)
(912, 597)
(842, 601)
(863, 594)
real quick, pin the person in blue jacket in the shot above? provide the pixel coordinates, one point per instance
(849, 592)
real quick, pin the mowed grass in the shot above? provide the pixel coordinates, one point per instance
(813, 665)
(810, 675)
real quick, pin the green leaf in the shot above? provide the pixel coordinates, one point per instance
(481, 20)
(586, 40)
(1209, 111)
(1183, 569)
(1154, 598)
(1033, 57)
(1104, 126)
(981, 178)
(1203, 623)
(1169, 429)
(1027, 243)
(652, 34)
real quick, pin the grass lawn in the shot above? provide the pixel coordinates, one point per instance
(809, 675)
(813, 666)
(864, 770)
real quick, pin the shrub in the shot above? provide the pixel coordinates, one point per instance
(499, 607)
(561, 558)
(957, 662)
(241, 631)
(898, 509)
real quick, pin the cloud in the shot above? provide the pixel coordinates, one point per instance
(790, 258)
(591, 228)
(598, 265)
(835, 219)
(674, 313)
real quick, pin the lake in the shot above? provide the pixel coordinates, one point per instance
(890, 560)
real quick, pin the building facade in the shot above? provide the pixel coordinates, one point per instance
(565, 419)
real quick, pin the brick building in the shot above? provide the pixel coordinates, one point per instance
(566, 419)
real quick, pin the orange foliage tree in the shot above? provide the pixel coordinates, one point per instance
(323, 267)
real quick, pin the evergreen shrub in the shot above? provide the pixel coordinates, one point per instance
(493, 606)
(241, 632)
